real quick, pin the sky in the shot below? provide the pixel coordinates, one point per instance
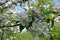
(57, 2)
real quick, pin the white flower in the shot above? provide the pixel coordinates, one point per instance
(26, 7)
(35, 10)
(57, 19)
(31, 7)
(36, 25)
(24, 19)
(7, 39)
(46, 6)
(0, 30)
(8, 3)
(12, 11)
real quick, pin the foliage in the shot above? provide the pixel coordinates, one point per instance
(38, 17)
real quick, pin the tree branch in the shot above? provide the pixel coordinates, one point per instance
(9, 25)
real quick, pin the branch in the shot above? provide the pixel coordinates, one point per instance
(9, 25)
